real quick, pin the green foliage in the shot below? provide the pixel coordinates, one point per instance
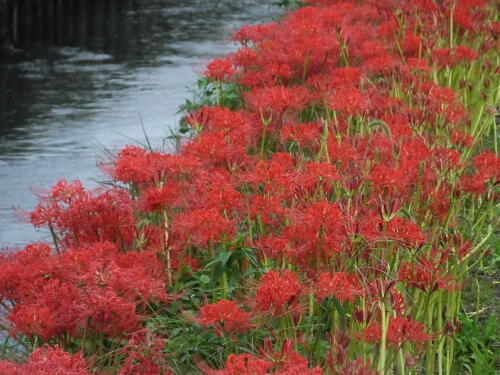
(478, 346)
(207, 93)
(289, 3)
(225, 275)
(210, 93)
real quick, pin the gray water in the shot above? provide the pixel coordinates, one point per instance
(61, 105)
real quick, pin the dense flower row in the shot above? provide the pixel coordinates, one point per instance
(331, 212)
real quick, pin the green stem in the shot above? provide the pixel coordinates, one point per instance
(218, 92)
(441, 341)
(429, 352)
(401, 361)
(383, 340)
(168, 259)
(225, 288)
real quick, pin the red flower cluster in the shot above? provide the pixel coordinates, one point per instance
(339, 285)
(87, 291)
(48, 361)
(220, 70)
(224, 316)
(278, 292)
(144, 355)
(284, 362)
(83, 217)
(399, 331)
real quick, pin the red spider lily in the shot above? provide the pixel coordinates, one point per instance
(382, 65)
(338, 361)
(388, 28)
(370, 49)
(273, 247)
(274, 176)
(224, 198)
(487, 166)
(445, 159)
(390, 204)
(404, 232)
(109, 313)
(139, 166)
(436, 100)
(461, 139)
(213, 189)
(472, 3)
(440, 202)
(399, 126)
(398, 303)
(86, 291)
(316, 233)
(48, 312)
(134, 276)
(346, 77)
(417, 65)
(84, 217)
(358, 367)
(411, 45)
(224, 316)
(158, 199)
(279, 73)
(203, 227)
(340, 285)
(414, 151)
(318, 216)
(472, 184)
(318, 175)
(217, 119)
(144, 355)
(295, 364)
(266, 210)
(338, 350)
(286, 361)
(23, 270)
(244, 58)
(399, 331)
(243, 364)
(218, 150)
(343, 153)
(385, 178)
(297, 44)
(278, 292)
(419, 274)
(254, 33)
(450, 57)
(305, 135)
(350, 102)
(274, 102)
(465, 18)
(48, 361)
(132, 165)
(220, 70)
(426, 276)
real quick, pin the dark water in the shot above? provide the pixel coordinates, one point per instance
(61, 105)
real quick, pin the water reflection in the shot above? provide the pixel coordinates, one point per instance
(91, 87)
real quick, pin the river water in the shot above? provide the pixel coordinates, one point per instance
(62, 105)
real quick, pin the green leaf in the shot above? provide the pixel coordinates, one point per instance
(204, 279)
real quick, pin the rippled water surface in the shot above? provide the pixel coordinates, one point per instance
(62, 105)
